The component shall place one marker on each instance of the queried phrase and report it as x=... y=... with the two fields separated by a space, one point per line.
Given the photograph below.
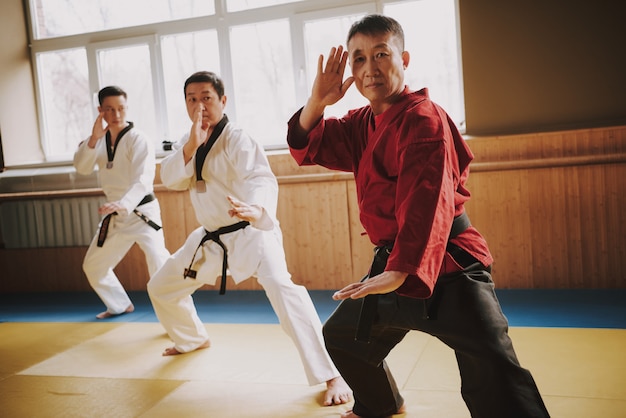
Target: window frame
x=297 y=14
x=152 y=42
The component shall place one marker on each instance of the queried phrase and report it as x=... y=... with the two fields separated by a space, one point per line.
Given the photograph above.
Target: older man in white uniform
x=234 y=194
x=126 y=167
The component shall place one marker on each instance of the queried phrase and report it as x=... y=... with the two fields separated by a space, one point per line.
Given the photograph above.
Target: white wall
x=18 y=116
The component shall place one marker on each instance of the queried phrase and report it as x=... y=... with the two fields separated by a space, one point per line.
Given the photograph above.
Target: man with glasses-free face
x=131 y=214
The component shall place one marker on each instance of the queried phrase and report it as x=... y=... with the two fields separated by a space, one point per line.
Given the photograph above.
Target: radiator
x=62 y=222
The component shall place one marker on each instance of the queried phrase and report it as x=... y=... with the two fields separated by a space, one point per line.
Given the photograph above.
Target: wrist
x=93 y=140
x=311 y=114
x=315 y=107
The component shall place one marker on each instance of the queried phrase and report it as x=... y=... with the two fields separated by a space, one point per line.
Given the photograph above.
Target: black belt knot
x=381 y=254
x=104 y=226
x=215 y=237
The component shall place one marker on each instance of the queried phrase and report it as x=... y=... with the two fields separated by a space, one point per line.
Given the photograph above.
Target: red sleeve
x=332 y=143
x=424 y=212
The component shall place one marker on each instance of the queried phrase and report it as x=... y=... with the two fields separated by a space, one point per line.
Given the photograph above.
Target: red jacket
x=410 y=166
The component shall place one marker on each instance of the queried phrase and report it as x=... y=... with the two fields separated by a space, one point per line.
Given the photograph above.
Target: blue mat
x=597 y=308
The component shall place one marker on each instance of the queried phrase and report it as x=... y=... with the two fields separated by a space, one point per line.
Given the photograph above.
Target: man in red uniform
x=431 y=270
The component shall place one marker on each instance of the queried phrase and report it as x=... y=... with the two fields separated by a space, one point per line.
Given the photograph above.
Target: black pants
x=463 y=313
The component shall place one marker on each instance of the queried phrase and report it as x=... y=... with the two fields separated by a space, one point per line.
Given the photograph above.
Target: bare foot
x=107 y=314
x=350 y=414
x=337 y=392
x=172 y=351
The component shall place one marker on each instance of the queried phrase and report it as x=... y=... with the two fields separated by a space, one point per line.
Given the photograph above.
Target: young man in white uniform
x=235 y=188
x=126 y=167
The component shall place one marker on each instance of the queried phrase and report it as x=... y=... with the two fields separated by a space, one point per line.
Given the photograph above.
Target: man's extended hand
x=110 y=207
x=244 y=211
x=98 y=131
x=385 y=282
x=200 y=128
x=329 y=86
x=198 y=134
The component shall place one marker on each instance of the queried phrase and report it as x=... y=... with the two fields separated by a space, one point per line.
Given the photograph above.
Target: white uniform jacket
x=132 y=175
x=235 y=166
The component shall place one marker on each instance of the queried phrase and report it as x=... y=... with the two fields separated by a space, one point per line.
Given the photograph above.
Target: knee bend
x=91 y=270
x=282 y=288
x=152 y=287
x=159 y=285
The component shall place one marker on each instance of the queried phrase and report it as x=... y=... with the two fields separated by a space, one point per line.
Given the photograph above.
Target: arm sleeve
x=260 y=186
x=424 y=211
x=85 y=158
x=328 y=144
x=175 y=174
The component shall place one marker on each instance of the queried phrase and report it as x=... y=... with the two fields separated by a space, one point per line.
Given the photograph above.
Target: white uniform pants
x=171 y=298
x=122 y=234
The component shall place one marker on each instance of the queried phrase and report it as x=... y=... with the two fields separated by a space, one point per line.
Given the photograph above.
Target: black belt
x=104 y=226
x=370 y=302
x=215 y=237
x=147 y=198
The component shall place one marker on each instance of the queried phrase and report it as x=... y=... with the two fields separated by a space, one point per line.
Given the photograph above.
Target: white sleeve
x=260 y=184
x=85 y=158
x=175 y=174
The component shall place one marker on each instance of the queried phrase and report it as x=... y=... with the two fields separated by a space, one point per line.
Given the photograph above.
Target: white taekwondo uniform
x=128 y=181
x=237 y=166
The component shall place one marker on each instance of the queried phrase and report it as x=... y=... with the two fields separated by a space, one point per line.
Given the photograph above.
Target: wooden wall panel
x=551 y=205
x=316 y=231
x=498 y=211
x=42 y=270
x=603 y=225
x=177 y=215
x=551 y=228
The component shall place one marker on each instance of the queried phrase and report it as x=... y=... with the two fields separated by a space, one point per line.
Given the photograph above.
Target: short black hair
x=110 y=91
x=206 y=77
x=376 y=24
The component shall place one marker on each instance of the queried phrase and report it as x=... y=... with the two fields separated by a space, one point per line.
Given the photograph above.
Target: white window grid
x=297 y=13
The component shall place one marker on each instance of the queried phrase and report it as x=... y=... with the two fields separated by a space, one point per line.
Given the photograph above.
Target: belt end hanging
x=366 y=318
x=190 y=273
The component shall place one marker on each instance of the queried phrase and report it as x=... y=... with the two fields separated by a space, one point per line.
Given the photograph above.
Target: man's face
x=378 y=65
x=114 y=110
x=204 y=95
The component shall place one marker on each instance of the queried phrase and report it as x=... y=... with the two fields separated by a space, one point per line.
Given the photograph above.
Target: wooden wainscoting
x=551 y=205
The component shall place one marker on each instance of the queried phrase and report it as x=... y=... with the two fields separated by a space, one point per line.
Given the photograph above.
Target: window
x=130 y=68
x=320 y=35
x=263 y=78
x=182 y=55
x=266 y=51
x=65 y=99
x=433 y=45
x=238 y=5
x=54 y=18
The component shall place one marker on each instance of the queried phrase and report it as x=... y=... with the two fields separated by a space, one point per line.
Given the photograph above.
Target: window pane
x=52 y=18
x=319 y=37
x=434 y=51
x=182 y=56
x=263 y=77
x=237 y=5
x=129 y=68
x=67 y=107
